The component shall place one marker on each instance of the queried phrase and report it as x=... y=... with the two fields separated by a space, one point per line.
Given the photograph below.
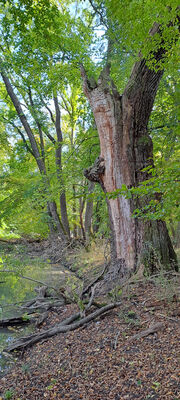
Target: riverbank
x=131 y=352
x=105 y=360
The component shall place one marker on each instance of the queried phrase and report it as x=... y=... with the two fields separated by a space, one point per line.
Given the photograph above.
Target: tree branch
x=143 y=83
x=21 y=134
x=23 y=119
x=60 y=328
x=48 y=109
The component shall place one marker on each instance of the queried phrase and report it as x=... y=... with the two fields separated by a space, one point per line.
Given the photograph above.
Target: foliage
x=41 y=52
x=14 y=288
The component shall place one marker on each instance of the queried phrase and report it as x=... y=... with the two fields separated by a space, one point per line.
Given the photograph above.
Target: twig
x=116 y=339
x=91 y=298
x=170 y=318
x=83 y=312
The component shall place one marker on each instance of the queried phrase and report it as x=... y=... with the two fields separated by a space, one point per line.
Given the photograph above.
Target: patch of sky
x=99 y=43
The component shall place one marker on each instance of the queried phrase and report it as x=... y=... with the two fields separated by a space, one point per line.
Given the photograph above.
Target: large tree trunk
x=126 y=149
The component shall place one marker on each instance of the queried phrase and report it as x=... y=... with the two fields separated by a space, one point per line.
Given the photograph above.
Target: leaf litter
x=111 y=358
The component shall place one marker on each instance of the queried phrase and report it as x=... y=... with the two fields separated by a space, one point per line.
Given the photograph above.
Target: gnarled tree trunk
x=126 y=149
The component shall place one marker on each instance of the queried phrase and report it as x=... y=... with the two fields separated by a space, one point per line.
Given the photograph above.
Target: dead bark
x=27 y=341
x=99 y=278
x=41 y=319
x=39 y=305
x=126 y=149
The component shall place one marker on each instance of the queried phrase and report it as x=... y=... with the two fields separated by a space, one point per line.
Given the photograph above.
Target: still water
x=14 y=291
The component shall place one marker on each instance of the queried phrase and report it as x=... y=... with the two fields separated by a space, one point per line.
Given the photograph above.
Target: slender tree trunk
x=63 y=206
x=51 y=206
x=88 y=213
x=97 y=216
x=126 y=149
x=81 y=209
x=74 y=209
x=58 y=227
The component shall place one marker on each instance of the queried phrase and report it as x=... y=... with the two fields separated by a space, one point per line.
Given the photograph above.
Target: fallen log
x=40 y=304
x=15 y=321
x=152 y=329
x=64 y=326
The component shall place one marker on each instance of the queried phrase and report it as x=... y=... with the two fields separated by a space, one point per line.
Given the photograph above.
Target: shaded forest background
x=48 y=134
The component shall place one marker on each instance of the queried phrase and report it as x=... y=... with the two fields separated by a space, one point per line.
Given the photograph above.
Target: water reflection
x=14 y=292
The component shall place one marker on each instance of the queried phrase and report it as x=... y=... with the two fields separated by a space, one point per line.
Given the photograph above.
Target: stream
x=14 y=291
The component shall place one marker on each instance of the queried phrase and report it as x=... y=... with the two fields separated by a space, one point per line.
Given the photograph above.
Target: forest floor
x=104 y=360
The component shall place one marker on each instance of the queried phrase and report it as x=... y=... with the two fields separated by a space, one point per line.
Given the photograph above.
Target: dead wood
x=15 y=321
x=152 y=329
x=42 y=291
x=41 y=319
x=63 y=327
x=88 y=288
x=40 y=304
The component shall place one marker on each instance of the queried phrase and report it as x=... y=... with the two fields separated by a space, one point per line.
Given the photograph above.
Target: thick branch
x=143 y=83
x=88 y=85
x=152 y=329
x=60 y=328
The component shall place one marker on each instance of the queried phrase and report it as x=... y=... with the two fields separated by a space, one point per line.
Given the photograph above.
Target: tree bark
x=63 y=207
x=81 y=209
x=88 y=213
x=126 y=148
x=74 y=210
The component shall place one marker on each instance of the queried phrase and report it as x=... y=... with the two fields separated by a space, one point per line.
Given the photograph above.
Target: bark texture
x=63 y=208
x=126 y=148
x=88 y=213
